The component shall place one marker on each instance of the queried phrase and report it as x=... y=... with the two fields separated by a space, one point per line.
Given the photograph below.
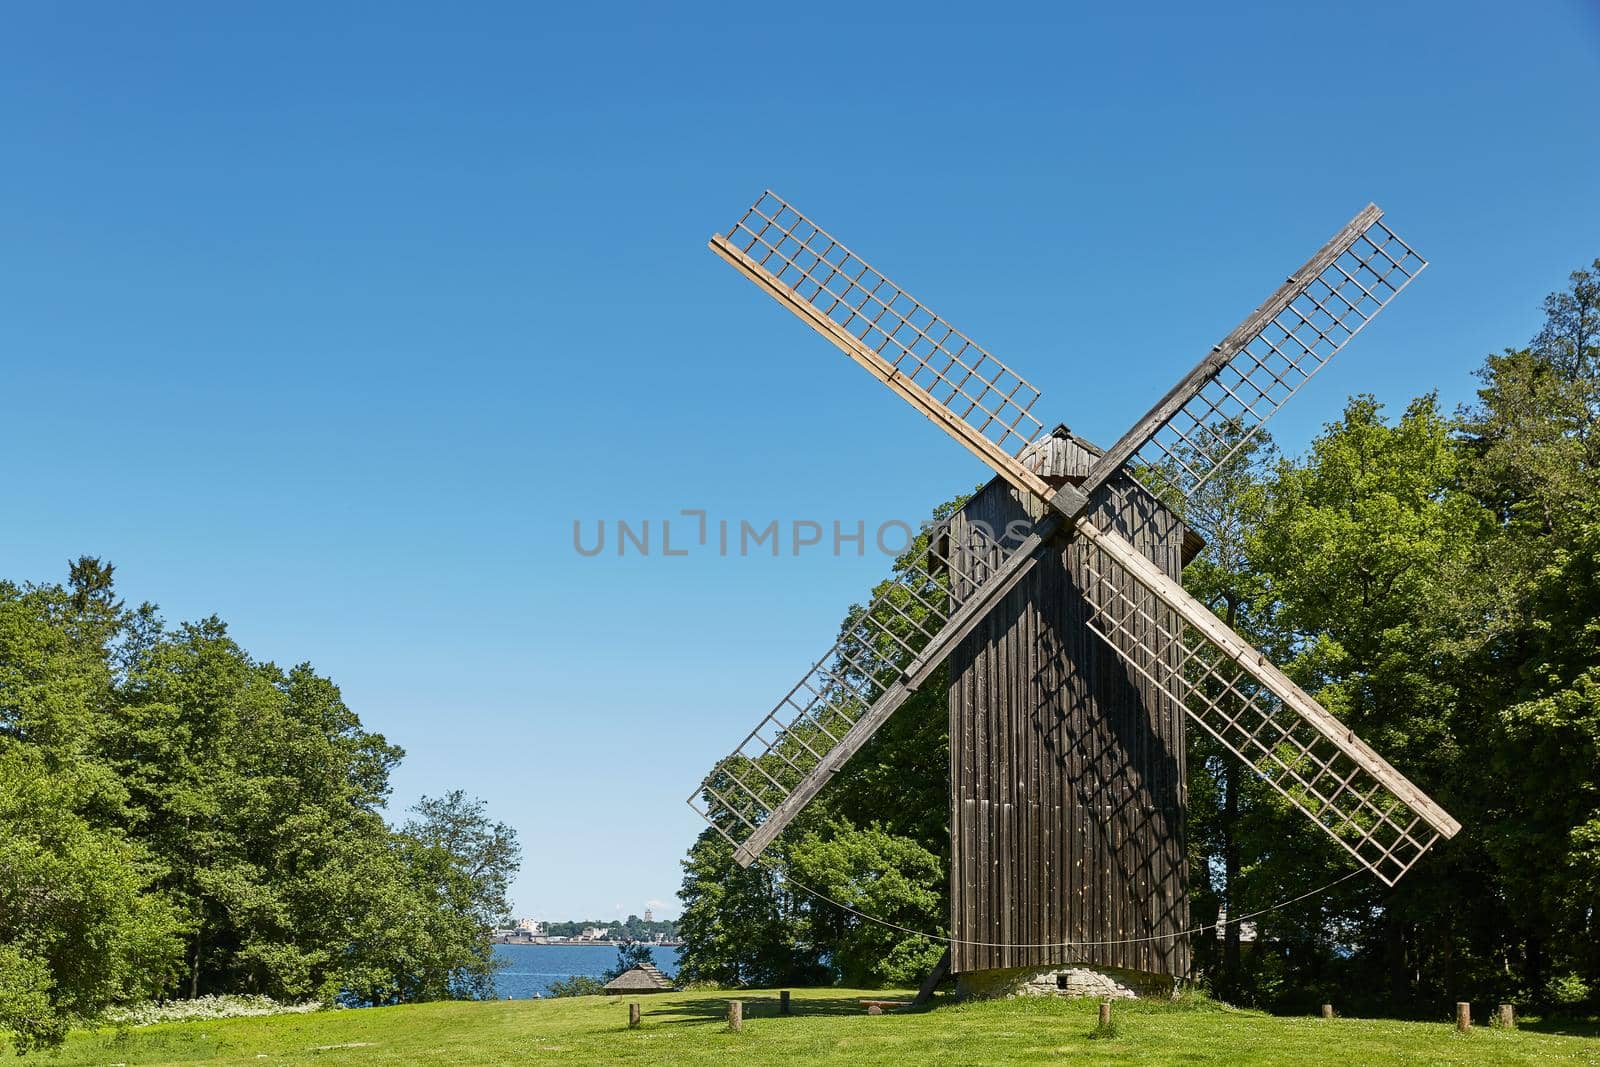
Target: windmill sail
x=936 y=368
x=1203 y=422
x=885 y=651
x=1235 y=694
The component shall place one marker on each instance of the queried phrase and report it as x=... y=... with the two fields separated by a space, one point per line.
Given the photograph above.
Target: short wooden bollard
x=735 y=1015
x=1463 y=1016
x=783 y=1002
x=1105 y=1014
x=1327 y=1011
x=1508 y=1017
x=633 y=1014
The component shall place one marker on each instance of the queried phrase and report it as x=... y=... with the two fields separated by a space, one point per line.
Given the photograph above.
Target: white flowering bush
x=211 y=1007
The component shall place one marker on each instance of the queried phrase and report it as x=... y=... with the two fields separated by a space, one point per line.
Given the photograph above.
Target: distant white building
x=532 y=926
x=649 y=916
x=596 y=933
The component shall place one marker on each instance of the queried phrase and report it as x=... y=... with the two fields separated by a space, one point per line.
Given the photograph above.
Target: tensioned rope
x=1060 y=944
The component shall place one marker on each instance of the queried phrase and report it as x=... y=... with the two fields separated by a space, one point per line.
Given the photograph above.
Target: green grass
x=828 y=1027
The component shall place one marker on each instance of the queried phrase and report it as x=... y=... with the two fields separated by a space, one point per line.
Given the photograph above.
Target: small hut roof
x=641 y=979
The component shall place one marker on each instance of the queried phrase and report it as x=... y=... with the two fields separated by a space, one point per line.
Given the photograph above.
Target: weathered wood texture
x=1067 y=772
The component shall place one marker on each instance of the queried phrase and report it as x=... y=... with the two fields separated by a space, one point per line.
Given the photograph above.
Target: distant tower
x=649 y=916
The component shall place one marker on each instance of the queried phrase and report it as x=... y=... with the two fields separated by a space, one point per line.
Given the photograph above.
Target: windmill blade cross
x=1160 y=632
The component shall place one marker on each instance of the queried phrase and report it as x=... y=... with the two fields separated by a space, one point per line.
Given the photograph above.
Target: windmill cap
x=1060 y=456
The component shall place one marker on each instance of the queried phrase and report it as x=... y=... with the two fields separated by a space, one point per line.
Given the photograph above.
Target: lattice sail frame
x=1314 y=765
x=873 y=650
x=936 y=357
x=1217 y=421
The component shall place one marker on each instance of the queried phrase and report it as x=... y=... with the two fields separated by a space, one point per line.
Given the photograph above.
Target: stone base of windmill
x=1101 y=983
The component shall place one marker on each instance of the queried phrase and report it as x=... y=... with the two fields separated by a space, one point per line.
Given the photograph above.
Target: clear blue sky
x=331 y=320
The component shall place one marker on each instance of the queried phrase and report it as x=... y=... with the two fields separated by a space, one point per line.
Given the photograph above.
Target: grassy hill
x=828 y=1027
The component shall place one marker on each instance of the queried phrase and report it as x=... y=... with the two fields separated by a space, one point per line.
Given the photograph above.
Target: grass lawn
x=828 y=1027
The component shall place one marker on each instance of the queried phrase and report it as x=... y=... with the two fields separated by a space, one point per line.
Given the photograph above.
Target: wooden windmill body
x=1076 y=656
x=1067 y=785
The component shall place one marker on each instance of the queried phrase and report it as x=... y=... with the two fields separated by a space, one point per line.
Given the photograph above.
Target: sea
x=530 y=969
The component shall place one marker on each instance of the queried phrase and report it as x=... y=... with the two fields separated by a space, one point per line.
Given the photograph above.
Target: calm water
x=531 y=968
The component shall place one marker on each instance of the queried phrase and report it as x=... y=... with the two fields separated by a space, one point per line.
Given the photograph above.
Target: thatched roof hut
x=642 y=979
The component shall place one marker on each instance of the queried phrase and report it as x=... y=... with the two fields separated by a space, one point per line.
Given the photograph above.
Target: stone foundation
x=1101 y=983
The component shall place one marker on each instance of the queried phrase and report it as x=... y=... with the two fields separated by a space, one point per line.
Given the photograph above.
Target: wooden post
x=633 y=1014
x=1105 y=1014
x=1327 y=1011
x=1508 y=1017
x=1463 y=1016
x=735 y=1015
x=783 y=1002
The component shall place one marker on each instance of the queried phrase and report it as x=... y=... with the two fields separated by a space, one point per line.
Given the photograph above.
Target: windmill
x=1076 y=655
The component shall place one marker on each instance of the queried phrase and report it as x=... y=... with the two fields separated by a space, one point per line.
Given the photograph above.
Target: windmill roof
x=644 y=978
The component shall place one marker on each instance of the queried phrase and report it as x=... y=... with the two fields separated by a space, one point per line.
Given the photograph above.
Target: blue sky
x=333 y=323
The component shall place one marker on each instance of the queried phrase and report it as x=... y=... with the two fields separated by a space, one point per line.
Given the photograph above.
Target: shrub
x=579 y=985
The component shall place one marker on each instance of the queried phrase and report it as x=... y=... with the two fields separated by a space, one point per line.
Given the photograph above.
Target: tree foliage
x=184 y=819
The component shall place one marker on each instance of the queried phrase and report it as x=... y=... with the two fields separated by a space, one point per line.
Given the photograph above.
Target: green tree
x=1536 y=465
x=78 y=929
x=1226 y=512
x=742 y=926
x=461 y=862
x=579 y=985
x=879 y=879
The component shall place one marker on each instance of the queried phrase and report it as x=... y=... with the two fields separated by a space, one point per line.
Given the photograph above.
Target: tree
x=579 y=985
x=462 y=863
x=1226 y=511
x=260 y=791
x=1570 y=338
x=216 y=804
x=79 y=930
x=877 y=886
x=755 y=926
x=742 y=926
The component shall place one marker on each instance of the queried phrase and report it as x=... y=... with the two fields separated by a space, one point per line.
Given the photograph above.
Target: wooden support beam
x=935 y=976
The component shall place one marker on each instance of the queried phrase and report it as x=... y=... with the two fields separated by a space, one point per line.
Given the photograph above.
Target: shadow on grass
x=714 y=1008
x=1568 y=1026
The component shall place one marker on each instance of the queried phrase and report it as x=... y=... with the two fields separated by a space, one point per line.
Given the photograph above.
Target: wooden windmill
x=1075 y=653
